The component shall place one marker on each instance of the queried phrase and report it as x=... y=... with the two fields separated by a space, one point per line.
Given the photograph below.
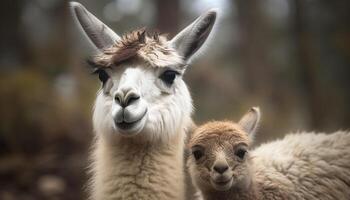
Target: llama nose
x=125 y=98
x=220 y=168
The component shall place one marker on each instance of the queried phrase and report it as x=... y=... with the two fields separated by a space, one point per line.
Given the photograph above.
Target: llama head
x=220 y=158
x=142 y=91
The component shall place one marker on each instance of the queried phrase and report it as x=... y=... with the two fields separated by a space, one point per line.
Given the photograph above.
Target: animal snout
x=126 y=97
x=220 y=168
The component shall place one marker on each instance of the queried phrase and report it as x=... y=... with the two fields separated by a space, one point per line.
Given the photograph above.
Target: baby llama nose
x=220 y=168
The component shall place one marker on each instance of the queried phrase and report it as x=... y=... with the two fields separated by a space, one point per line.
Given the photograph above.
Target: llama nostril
x=130 y=98
x=118 y=99
x=220 y=168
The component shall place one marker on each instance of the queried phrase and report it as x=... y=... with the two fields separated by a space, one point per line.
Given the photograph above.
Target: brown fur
x=150 y=47
x=227 y=136
x=217 y=137
x=219 y=131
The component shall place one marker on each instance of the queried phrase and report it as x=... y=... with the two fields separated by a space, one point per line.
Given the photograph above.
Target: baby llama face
x=220 y=153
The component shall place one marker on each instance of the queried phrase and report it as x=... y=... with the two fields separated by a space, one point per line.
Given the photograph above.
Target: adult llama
x=143 y=109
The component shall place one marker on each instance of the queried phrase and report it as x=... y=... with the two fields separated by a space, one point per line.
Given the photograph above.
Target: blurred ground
x=290 y=57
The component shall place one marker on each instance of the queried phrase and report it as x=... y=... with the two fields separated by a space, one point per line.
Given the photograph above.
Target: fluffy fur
x=299 y=166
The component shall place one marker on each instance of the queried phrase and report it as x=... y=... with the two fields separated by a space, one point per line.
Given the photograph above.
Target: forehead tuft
x=149 y=47
x=219 y=131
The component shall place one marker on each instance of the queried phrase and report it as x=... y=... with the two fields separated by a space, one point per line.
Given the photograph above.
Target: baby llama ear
x=250 y=121
x=190 y=39
x=99 y=34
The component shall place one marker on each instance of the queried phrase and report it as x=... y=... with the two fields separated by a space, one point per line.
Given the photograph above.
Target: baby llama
x=300 y=166
x=143 y=109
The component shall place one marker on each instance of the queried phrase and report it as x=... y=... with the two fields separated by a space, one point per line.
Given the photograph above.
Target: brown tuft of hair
x=141 y=43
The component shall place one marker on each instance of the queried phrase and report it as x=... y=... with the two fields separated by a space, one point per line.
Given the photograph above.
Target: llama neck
x=129 y=169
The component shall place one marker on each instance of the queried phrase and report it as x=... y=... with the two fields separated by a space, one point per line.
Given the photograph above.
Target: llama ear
x=190 y=39
x=99 y=34
x=250 y=121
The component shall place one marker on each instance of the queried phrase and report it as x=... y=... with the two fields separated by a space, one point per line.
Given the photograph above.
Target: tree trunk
x=308 y=66
x=253 y=47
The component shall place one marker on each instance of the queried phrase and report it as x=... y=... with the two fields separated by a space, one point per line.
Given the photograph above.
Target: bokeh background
x=290 y=57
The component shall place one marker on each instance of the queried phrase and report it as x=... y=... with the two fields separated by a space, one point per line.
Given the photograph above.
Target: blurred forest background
x=290 y=57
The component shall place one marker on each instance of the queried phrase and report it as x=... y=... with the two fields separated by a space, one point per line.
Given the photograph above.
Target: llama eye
x=197 y=152
x=241 y=153
x=168 y=76
x=102 y=75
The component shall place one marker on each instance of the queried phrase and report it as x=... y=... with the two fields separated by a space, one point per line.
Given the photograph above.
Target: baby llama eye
x=240 y=153
x=197 y=152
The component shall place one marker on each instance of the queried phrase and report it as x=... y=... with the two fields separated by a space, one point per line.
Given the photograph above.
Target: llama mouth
x=222 y=184
x=129 y=125
x=125 y=125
